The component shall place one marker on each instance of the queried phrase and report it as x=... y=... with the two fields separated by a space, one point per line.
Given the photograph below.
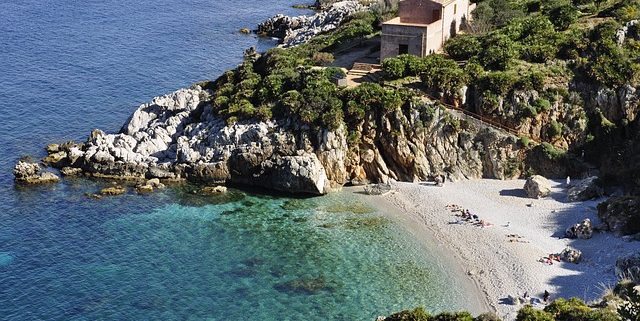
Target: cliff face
x=177 y=137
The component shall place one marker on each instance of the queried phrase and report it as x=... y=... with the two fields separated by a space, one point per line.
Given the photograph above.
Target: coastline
x=476 y=301
x=498 y=267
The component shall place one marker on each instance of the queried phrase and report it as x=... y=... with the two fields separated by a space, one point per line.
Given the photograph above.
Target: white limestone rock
x=537 y=186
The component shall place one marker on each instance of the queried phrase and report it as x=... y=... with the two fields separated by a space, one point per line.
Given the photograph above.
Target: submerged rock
x=537 y=186
x=31 y=173
x=213 y=190
x=71 y=171
x=113 y=191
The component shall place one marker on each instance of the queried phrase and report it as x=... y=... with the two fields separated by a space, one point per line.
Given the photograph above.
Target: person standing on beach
x=546 y=295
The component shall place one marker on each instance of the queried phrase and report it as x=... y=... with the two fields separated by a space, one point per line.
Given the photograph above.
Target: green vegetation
x=526 y=64
x=558 y=310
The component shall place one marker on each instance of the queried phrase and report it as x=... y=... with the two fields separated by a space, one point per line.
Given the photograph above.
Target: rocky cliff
x=176 y=136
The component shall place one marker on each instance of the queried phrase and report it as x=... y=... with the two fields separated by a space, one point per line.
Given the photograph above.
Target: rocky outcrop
x=571 y=255
x=628 y=267
x=586 y=189
x=177 y=136
x=582 y=230
x=31 y=173
x=621 y=215
x=537 y=186
x=113 y=191
x=297 y=30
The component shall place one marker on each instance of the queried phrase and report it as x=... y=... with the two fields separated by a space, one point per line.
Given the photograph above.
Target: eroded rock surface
x=32 y=173
x=537 y=186
x=621 y=215
x=178 y=136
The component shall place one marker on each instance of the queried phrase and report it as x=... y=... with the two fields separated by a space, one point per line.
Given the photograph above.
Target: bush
x=554 y=130
x=488 y=316
x=541 y=105
x=498 y=51
x=322 y=58
x=528 y=313
x=576 y=310
x=393 y=68
x=463 y=47
x=550 y=152
x=413 y=65
x=443 y=75
x=457 y=316
x=563 y=16
x=568 y=310
x=498 y=82
x=417 y=314
x=630 y=311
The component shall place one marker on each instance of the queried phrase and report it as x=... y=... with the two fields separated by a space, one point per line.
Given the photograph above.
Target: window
x=436 y=15
x=403 y=49
x=455 y=8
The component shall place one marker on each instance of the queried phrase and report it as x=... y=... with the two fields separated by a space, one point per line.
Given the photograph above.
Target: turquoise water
x=69 y=67
x=241 y=256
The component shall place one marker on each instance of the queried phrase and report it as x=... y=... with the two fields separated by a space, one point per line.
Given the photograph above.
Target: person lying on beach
x=483 y=223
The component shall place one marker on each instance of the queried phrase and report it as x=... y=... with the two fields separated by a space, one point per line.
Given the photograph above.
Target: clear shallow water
x=68 y=67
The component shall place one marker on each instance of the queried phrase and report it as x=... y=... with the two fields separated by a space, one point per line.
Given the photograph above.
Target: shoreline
x=497 y=266
x=474 y=295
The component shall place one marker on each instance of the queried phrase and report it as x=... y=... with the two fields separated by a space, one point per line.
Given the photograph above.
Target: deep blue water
x=67 y=67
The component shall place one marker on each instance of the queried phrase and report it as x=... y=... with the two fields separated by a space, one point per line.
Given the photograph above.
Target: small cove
x=172 y=255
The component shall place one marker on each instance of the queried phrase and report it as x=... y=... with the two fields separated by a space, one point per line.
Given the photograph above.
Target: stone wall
x=395 y=35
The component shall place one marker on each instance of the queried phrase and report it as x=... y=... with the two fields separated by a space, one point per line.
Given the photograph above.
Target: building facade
x=422 y=26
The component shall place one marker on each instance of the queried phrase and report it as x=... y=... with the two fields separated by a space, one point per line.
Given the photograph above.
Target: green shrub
x=528 y=313
x=551 y=152
x=463 y=47
x=498 y=82
x=456 y=316
x=393 y=68
x=525 y=141
x=322 y=58
x=488 y=316
x=568 y=310
x=541 y=105
x=563 y=16
x=554 y=130
x=630 y=311
x=498 y=52
x=417 y=314
x=413 y=65
x=443 y=75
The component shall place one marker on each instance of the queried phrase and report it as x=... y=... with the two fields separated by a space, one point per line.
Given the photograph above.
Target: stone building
x=423 y=26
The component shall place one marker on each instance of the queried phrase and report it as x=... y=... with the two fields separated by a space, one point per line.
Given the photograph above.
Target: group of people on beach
x=526 y=299
x=550 y=258
x=465 y=216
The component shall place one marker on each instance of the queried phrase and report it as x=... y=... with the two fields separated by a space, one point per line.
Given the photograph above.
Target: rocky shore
x=294 y=31
x=178 y=137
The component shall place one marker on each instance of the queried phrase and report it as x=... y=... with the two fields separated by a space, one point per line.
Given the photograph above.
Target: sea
x=67 y=67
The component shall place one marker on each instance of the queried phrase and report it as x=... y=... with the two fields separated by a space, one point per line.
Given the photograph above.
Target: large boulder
x=300 y=174
x=586 y=189
x=537 y=186
x=571 y=255
x=31 y=173
x=582 y=230
x=621 y=215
